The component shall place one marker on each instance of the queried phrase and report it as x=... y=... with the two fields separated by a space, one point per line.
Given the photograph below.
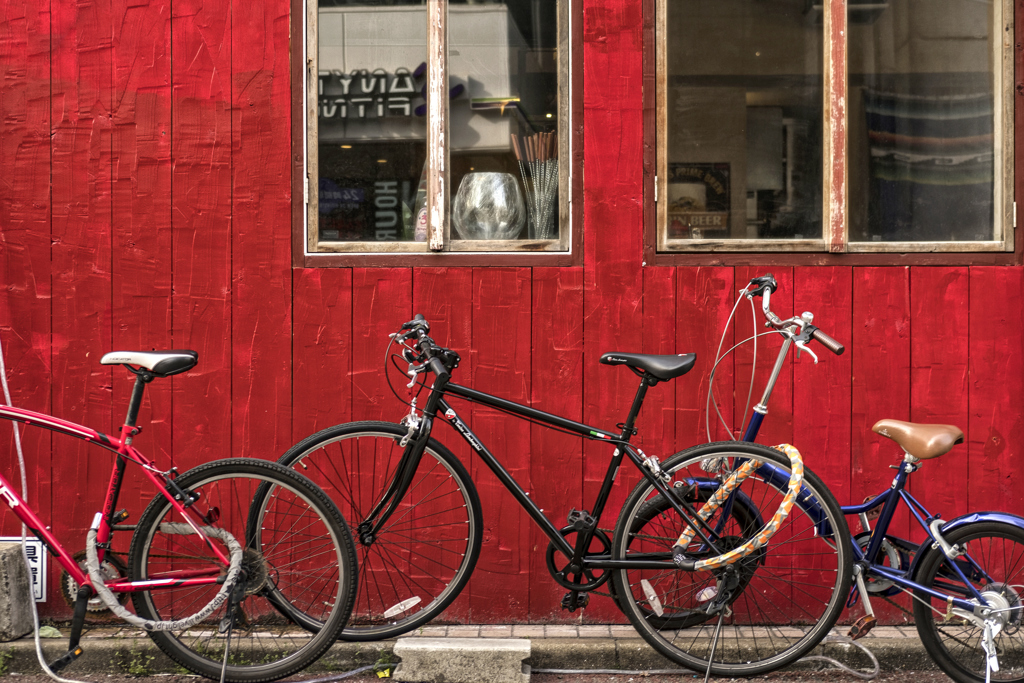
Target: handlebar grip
x=417 y=323
x=828 y=342
x=438 y=368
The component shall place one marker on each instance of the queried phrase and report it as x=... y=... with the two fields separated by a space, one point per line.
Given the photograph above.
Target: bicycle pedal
x=581 y=520
x=572 y=601
x=71 y=656
x=860 y=628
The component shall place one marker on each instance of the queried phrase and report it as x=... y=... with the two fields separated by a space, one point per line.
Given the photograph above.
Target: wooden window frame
x=833 y=248
x=304 y=73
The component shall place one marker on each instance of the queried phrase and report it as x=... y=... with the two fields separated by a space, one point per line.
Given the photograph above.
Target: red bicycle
x=225 y=588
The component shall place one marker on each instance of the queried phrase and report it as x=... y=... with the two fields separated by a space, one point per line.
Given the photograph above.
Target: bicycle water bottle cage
x=762 y=283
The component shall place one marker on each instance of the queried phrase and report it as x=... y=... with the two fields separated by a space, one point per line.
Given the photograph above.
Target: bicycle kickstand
x=77 y=621
x=227 y=624
x=720 y=605
x=988 y=645
x=714 y=644
x=860 y=628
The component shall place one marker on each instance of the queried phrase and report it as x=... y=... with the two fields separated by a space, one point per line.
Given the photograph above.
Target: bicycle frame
x=125 y=452
x=438 y=405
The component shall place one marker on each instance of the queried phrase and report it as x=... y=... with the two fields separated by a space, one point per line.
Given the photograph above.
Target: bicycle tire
x=297 y=546
x=790 y=592
x=410 y=572
x=955 y=647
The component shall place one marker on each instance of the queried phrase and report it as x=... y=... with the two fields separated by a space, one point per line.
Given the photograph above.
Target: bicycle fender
x=961 y=521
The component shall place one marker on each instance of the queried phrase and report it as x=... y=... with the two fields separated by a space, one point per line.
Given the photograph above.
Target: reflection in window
x=922 y=121
x=743 y=145
x=504 y=149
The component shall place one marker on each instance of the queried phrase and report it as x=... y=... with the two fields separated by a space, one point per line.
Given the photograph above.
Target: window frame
x=833 y=248
x=304 y=73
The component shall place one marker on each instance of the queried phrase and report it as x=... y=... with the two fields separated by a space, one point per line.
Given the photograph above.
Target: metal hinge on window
x=655 y=189
x=1015 y=214
x=305 y=190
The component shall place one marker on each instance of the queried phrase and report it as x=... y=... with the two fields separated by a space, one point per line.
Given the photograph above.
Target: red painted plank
x=141 y=210
x=25 y=324
x=996 y=433
x=444 y=296
x=501 y=366
x=938 y=379
x=261 y=246
x=202 y=225
x=879 y=349
x=613 y=155
x=381 y=302
x=322 y=348
x=556 y=460
x=81 y=232
x=821 y=401
x=705 y=297
x=656 y=422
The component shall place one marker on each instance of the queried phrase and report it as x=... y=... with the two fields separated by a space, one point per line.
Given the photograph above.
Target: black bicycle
x=692 y=561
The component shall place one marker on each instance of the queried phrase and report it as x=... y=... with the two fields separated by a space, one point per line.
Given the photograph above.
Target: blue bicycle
x=966 y=579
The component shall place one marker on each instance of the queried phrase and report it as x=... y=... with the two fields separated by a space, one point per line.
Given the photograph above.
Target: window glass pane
x=922 y=123
x=371 y=121
x=743 y=112
x=503 y=80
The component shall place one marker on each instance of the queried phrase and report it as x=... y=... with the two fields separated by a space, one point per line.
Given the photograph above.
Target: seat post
x=142 y=378
x=645 y=381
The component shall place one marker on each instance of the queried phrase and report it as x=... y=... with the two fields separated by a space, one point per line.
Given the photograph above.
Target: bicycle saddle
x=160 y=363
x=920 y=440
x=660 y=367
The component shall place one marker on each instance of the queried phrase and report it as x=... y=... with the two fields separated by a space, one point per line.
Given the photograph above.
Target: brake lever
x=412 y=372
x=801 y=346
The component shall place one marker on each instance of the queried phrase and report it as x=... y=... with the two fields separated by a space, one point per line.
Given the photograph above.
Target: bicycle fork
x=386 y=506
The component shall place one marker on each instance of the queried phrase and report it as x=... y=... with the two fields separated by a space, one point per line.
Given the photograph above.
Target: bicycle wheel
x=785 y=597
x=298 y=547
x=420 y=560
x=994 y=562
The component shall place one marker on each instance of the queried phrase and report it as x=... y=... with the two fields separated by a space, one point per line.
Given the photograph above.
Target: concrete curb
x=121 y=653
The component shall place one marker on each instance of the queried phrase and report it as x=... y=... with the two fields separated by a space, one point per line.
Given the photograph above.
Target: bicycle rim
x=789 y=593
x=955 y=645
x=299 y=549
x=422 y=557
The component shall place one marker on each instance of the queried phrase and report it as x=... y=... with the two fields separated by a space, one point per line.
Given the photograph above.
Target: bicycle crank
x=574 y=577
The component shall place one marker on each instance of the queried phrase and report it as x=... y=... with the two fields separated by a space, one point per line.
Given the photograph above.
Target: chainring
x=596 y=578
x=112 y=568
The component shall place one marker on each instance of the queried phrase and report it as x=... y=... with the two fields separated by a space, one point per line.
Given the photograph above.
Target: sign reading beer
x=698 y=200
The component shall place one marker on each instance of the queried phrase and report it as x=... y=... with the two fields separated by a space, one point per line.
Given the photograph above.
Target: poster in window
x=698 y=200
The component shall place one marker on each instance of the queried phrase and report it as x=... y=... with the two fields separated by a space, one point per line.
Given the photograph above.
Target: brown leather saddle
x=922 y=441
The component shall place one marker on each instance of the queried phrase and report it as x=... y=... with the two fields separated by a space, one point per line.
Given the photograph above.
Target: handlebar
x=432 y=355
x=764 y=286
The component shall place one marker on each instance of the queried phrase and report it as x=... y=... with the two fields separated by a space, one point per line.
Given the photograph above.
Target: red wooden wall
x=145 y=203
